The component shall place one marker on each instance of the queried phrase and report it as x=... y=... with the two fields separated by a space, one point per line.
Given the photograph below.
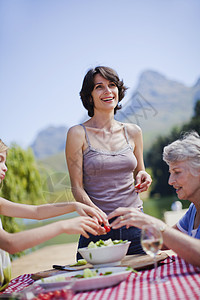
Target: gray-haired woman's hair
x=187 y=149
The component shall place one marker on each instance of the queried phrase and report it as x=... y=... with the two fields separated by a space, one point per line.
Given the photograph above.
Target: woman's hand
x=127 y=216
x=143 y=181
x=81 y=225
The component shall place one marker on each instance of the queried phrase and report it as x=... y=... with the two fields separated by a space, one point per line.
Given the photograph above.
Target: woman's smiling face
x=186 y=184
x=104 y=94
x=3 y=167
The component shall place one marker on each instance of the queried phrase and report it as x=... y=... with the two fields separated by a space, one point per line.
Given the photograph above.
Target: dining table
x=180 y=280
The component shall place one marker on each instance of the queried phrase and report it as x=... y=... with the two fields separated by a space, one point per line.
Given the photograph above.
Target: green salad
x=87 y=273
x=105 y=243
x=80 y=262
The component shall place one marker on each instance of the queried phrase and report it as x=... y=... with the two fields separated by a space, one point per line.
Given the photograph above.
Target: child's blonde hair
x=3 y=147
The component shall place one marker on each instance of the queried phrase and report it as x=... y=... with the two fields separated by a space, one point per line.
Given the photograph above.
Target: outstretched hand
x=97 y=214
x=128 y=216
x=86 y=210
x=81 y=225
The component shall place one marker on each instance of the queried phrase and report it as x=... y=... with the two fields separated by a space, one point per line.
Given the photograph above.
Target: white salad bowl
x=106 y=255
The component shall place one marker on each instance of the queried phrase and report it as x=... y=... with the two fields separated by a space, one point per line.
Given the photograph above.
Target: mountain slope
x=157 y=105
x=49 y=141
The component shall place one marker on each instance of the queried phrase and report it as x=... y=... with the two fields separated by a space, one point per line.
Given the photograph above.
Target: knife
x=64 y=268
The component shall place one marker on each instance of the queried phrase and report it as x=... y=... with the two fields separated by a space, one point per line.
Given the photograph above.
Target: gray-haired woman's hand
x=129 y=216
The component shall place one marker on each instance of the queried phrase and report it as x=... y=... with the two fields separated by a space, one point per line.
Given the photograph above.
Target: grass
x=157 y=206
x=60 y=239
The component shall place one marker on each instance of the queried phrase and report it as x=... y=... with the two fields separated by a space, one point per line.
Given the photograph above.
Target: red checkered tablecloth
x=18 y=284
x=183 y=282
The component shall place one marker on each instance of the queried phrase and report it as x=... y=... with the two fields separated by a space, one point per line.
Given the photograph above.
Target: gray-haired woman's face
x=186 y=184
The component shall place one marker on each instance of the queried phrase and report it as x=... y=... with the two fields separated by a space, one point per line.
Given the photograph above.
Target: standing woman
x=105 y=157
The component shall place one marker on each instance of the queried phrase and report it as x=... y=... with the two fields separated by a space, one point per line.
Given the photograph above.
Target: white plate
x=84 y=284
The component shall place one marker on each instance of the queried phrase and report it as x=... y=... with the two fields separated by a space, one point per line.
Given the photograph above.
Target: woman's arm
x=185 y=246
x=142 y=178
x=15 y=242
x=74 y=156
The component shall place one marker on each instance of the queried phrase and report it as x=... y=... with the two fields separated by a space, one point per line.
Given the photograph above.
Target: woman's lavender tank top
x=108 y=177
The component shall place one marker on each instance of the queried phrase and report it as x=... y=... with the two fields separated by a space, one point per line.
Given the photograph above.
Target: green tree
x=160 y=172
x=194 y=123
x=23 y=182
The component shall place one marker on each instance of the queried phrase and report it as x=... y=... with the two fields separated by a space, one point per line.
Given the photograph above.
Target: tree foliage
x=160 y=170
x=23 y=182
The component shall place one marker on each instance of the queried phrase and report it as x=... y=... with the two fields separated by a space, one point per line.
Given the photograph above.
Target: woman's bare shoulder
x=133 y=129
x=76 y=130
x=75 y=137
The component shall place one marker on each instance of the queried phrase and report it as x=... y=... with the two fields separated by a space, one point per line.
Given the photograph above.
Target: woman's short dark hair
x=88 y=86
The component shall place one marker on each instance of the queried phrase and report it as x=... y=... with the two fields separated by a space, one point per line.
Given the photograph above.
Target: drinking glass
x=151 y=241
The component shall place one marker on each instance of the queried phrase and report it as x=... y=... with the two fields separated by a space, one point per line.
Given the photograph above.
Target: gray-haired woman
x=183 y=158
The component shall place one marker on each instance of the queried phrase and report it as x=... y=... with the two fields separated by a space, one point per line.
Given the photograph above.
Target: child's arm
x=39 y=212
x=15 y=242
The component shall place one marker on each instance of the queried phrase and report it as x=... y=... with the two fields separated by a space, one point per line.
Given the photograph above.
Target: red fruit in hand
x=107 y=228
x=137 y=186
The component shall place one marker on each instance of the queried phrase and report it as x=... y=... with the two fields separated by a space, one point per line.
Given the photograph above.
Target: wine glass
x=151 y=241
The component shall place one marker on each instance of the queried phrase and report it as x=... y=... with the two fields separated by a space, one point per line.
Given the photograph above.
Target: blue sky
x=48 y=45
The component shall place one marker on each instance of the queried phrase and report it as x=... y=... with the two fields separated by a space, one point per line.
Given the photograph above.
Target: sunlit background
x=48 y=45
